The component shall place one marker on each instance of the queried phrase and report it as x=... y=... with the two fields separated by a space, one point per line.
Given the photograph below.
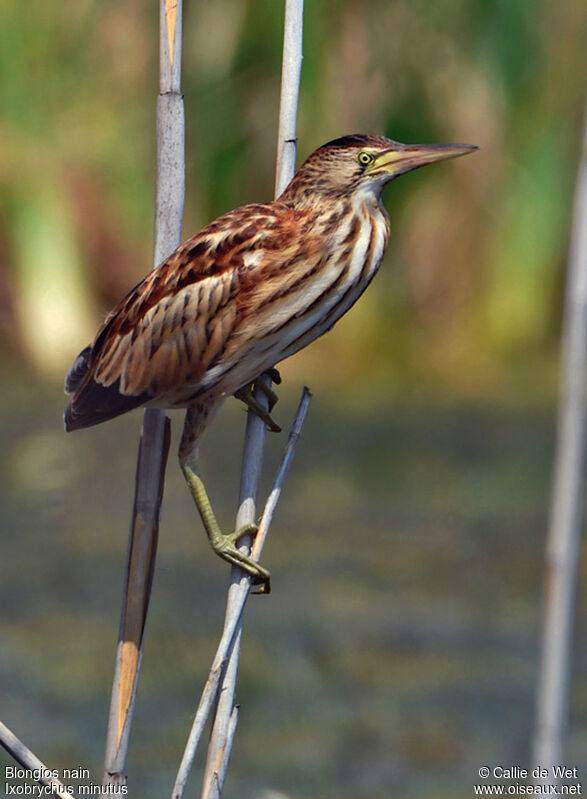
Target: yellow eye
x=365 y=159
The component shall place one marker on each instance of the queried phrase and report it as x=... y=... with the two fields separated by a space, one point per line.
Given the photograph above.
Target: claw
x=268 y=391
x=274 y=375
x=245 y=394
x=262 y=585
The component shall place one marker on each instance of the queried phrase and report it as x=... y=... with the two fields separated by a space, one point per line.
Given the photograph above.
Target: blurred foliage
x=393 y=667
x=470 y=293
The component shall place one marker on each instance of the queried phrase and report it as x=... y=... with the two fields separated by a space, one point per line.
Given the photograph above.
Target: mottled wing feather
x=159 y=343
x=173 y=343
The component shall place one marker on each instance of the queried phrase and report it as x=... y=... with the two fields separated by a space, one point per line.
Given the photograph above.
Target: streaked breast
x=322 y=291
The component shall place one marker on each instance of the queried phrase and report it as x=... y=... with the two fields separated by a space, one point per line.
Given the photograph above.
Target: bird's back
x=249 y=290
x=164 y=335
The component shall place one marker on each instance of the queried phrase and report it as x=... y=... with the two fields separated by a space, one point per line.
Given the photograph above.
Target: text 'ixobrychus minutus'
x=252 y=288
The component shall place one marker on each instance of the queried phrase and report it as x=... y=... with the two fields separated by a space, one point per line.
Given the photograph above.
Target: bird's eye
x=365 y=159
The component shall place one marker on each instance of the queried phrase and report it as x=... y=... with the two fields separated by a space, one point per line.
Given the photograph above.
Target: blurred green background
x=397 y=652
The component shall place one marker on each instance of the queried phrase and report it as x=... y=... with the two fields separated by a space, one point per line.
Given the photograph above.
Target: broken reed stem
x=567 y=507
x=220 y=742
x=233 y=619
x=137 y=589
x=154 y=445
x=23 y=755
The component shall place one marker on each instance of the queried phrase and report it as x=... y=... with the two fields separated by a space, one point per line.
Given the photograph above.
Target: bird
x=252 y=288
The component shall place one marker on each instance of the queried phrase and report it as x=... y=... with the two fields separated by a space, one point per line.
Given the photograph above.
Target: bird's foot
x=274 y=374
x=225 y=545
x=274 y=377
x=246 y=395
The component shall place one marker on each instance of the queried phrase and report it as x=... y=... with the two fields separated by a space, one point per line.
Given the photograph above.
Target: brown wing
x=161 y=339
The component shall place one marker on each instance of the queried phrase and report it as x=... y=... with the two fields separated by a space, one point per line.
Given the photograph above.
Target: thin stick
x=288 y=455
x=233 y=619
x=220 y=772
x=567 y=507
x=23 y=755
x=291 y=71
x=255 y=429
x=154 y=444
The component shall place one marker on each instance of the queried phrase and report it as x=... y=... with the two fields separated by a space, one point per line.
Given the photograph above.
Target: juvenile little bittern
x=249 y=290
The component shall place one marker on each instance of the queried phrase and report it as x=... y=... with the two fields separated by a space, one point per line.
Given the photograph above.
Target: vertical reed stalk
x=154 y=445
x=233 y=621
x=224 y=724
x=567 y=507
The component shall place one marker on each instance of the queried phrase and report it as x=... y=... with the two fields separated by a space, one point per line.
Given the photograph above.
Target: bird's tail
x=78 y=371
x=93 y=403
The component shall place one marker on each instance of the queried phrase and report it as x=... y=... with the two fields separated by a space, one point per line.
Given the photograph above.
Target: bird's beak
x=405 y=157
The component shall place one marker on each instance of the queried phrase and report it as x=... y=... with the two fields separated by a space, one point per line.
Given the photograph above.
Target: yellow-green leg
x=224 y=544
x=197 y=418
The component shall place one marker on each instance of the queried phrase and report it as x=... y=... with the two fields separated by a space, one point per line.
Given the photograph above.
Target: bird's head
x=363 y=163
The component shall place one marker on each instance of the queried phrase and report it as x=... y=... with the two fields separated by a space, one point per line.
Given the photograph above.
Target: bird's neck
x=336 y=206
x=368 y=208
